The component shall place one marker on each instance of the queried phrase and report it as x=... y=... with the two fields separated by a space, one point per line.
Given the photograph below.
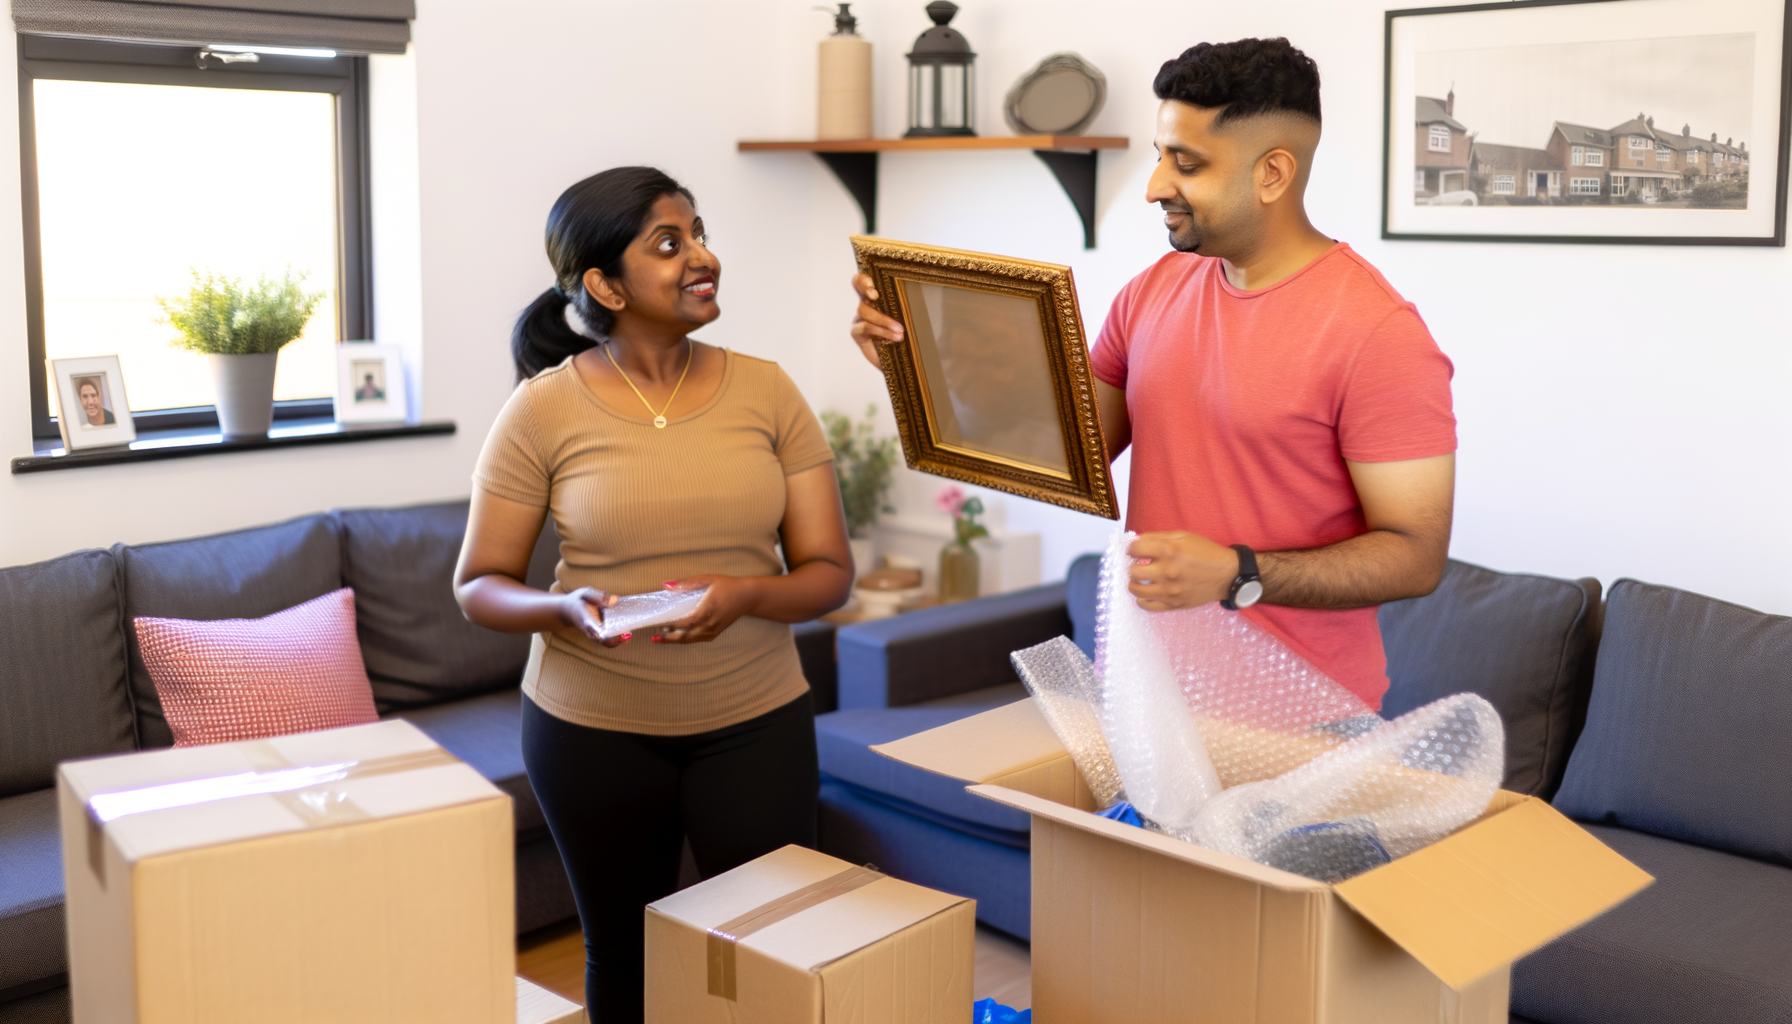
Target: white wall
x=1622 y=411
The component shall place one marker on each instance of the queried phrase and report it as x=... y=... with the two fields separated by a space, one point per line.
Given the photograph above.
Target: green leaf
x=218 y=316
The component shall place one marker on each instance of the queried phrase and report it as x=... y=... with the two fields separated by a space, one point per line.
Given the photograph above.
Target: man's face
x=1203 y=181
x=90 y=402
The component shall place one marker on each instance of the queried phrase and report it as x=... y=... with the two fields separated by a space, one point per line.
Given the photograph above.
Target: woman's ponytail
x=590 y=227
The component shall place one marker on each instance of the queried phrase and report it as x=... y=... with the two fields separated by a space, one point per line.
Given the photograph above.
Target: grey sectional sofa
x=1659 y=718
x=73 y=686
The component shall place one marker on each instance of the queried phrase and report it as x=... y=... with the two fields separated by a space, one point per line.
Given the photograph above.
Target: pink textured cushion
x=242 y=679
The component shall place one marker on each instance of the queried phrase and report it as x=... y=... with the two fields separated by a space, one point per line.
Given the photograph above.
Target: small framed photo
x=1639 y=122
x=370 y=383
x=993 y=386
x=91 y=408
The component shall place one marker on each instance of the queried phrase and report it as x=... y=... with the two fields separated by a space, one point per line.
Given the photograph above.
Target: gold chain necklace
x=659 y=418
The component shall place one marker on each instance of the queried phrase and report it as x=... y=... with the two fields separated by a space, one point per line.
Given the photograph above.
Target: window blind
x=346 y=26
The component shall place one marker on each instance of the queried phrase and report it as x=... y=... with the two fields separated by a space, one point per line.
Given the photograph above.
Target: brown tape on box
x=309 y=792
x=722 y=937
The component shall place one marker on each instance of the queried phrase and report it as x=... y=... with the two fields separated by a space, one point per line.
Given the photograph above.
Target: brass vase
x=961 y=574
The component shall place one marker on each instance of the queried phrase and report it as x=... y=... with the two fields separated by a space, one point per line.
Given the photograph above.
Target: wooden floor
x=554 y=958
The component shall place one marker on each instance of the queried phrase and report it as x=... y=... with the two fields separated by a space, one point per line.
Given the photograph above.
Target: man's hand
x=1180 y=570
x=871 y=328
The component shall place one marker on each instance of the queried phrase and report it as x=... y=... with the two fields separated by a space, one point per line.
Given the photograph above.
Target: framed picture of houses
x=1644 y=122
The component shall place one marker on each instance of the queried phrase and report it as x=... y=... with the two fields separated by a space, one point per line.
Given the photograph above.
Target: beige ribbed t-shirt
x=638 y=506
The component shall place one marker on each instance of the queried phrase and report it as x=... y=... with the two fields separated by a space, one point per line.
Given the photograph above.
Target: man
x=1285 y=406
x=88 y=391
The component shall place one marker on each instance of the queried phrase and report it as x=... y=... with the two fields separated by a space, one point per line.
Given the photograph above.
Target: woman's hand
x=871 y=328
x=583 y=610
x=729 y=598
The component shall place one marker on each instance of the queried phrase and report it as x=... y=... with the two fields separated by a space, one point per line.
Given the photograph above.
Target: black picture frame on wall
x=1535 y=121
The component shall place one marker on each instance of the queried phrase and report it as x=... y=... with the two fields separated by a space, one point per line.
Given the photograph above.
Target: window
x=1619 y=184
x=1692 y=156
x=1595 y=157
x=1638 y=142
x=1663 y=155
x=244 y=169
x=1505 y=184
x=1439 y=139
x=1578 y=157
x=1418 y=181
x=1583 y=186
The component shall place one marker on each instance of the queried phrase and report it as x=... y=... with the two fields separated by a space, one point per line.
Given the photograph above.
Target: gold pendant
x=659 y=422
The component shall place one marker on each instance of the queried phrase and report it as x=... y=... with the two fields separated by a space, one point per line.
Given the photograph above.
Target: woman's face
x=669 y=276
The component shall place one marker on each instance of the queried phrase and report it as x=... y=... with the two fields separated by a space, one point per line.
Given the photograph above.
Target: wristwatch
x=1247 y=588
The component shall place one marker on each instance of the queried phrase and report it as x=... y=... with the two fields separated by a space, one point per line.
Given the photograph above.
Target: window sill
x=152 y=446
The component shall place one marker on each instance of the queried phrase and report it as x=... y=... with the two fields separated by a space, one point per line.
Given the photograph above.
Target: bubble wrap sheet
x=1221 y=735
x=1163 y=762
x=657 y=608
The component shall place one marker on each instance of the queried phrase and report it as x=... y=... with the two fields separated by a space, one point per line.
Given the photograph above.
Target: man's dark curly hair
x=1247 y=77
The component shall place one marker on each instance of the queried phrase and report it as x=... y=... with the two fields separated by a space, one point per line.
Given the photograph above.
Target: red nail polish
x=628 y=636
x=654 y=639
x=671 y=583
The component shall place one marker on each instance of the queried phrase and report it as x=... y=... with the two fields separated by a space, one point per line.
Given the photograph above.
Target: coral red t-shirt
x=1246 y=404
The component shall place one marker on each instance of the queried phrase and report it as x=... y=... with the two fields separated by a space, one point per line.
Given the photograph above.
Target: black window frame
x=95 y=60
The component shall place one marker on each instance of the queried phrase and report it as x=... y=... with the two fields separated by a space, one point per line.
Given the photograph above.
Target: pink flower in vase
x=950 y=500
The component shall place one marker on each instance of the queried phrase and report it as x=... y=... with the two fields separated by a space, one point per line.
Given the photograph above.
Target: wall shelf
x=1071 y=159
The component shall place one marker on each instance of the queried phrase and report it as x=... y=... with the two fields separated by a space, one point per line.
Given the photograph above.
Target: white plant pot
x=862 y=556
x=245 y=387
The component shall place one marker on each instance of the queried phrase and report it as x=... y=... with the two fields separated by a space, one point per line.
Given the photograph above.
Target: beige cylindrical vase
x=844 y=110
x=245 y=393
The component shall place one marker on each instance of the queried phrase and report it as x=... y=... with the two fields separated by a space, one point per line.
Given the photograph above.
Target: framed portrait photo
x=1643 y=122
x=992 y=385
x=370 y=384
x=92 y=410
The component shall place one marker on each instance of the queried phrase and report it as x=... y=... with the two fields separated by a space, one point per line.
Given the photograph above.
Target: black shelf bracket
x=1076 y=172
x=1074 y=169
x=858 y=172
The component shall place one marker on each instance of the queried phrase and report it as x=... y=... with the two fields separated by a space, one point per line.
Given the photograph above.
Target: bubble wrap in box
x=1062 y=682
x=1380 y=796
x=656 y=608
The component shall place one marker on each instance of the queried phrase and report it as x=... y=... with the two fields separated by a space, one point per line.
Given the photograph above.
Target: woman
x=665 y=463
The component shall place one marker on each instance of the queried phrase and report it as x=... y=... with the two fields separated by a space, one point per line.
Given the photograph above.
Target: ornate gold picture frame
x=992 y=385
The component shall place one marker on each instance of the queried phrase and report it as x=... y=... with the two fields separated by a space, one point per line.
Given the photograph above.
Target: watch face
x=1248 y=594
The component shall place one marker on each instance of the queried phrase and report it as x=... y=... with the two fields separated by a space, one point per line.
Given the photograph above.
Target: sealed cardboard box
x=1129 y=925
x=798 y=937
x=342 y=876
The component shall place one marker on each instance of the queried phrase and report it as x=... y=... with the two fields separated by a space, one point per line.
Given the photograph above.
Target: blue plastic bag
x=988 y=1011
x=1124 y=813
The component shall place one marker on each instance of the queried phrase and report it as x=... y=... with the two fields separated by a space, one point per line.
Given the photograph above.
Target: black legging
x=620 y=805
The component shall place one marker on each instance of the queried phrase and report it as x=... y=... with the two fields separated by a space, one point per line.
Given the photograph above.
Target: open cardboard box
x=1132 y=926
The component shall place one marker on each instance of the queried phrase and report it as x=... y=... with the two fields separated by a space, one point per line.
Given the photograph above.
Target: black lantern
x=939 y=78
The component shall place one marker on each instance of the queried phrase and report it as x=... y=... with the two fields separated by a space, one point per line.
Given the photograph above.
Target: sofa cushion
x=226 y=680
x=843 y=740
x=418 y=646
x=1689 y=732
x=1711 y=940
x=240 y=575
x=32 y=946
x=952 y=649
x=1080 y=586
x=1523 y=642
x=487 y=733
x=62 y=668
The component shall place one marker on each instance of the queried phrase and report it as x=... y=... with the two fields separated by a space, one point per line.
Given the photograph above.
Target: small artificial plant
x=863 y=464
x=964 y=512
x=219 y=317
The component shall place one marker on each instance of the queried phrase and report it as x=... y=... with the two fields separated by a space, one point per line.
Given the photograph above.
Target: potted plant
x=863 y=464
x=241 y=331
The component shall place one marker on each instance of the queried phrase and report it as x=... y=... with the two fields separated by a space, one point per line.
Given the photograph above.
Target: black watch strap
x=1247 y=573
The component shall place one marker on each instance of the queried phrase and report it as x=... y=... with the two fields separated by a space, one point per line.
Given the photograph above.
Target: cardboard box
x=1130 y=926
x=342 y=876
x=536 y=1005
x=798 y=937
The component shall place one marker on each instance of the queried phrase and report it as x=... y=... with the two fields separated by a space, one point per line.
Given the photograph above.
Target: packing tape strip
x=308 y=791
x=722 y=937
